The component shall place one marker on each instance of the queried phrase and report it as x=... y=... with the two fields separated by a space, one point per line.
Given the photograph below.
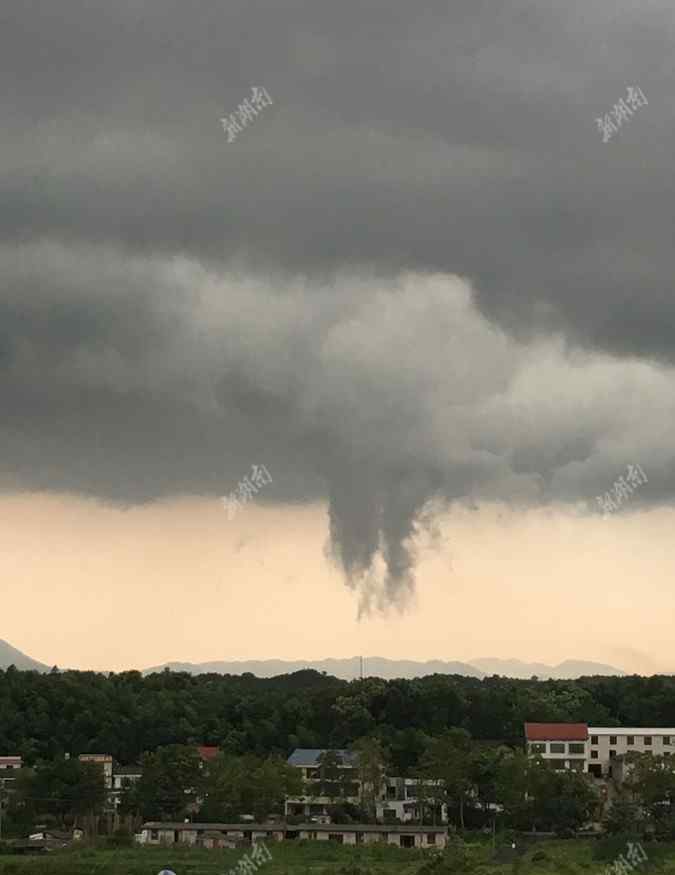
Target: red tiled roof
x=208 y=753
x=556 y=731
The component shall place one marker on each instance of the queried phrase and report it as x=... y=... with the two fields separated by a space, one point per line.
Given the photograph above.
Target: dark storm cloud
x=455 y=137
x=174 y=308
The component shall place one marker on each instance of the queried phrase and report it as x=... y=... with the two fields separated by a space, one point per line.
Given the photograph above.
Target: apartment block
x=608 y=743
x=597 y=750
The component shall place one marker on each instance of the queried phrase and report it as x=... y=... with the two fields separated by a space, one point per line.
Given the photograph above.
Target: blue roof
x=309 y=756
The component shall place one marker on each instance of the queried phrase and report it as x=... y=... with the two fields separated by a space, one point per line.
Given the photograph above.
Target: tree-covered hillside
x=44 y=715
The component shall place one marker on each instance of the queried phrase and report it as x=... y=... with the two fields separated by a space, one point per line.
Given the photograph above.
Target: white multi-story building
x=593 y=749
x=313 y=803
x=404 y=802
x=399 y=799
x=562 y=745
x=607 y=743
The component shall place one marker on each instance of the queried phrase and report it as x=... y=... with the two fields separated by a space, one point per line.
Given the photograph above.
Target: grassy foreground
x=324 y=858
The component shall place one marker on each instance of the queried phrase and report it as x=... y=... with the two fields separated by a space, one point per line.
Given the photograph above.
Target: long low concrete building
x=221 y=835
x=403 y=836
x=206 y=834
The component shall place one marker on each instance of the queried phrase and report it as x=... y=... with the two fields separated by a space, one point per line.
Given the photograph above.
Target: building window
x=612 y=739
x=577 y=748
x=594 y=754
x=538 y=747
x=431 y=838
x=648 y=740
x=666 y=739
x=594 y=739
x=557 y=747
x=630 y=739
x=612 y=754
x=154 y=835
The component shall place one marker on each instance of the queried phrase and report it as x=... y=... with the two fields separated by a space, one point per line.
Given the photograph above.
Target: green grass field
x=324 y=858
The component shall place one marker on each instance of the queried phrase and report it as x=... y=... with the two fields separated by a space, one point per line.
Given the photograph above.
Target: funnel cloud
x=419 y=278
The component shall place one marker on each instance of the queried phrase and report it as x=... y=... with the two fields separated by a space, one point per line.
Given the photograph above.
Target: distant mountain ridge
x=566 y=670
x=377 y=666
x=349 y=668
x=346 y=669
x=11 y=656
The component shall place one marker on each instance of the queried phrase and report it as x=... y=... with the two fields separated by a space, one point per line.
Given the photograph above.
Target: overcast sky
x=421 y=288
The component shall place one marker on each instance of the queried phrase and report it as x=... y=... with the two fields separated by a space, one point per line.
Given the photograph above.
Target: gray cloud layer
x=174 y=308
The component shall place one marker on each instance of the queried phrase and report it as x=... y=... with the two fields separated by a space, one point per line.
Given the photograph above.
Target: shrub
x=611 y=847
x=455 y=858
x=121 y=838
x=623 y=817
x=354 y=869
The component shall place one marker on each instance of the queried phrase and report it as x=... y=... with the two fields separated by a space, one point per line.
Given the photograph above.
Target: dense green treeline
x=45 y=715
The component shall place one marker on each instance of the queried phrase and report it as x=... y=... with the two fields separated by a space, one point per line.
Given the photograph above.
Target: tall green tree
x=225 y=794
x=64 y=788
x=372 y=769
x=484 y=765
x=511 y=786
x=235 y=786
x=650 y=781
x=447 y=760
x=272 y=780
x=334 y=780
x=569 y=802
x=535 y=796
x=170 y=784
